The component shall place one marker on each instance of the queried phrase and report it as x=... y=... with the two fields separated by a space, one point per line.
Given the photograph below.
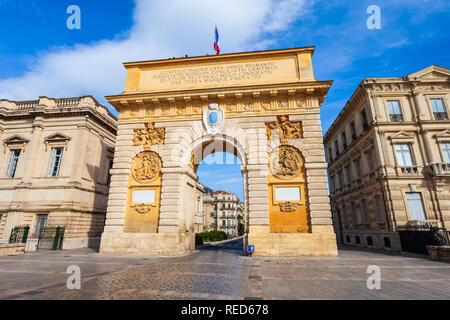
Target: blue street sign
x=251 y=249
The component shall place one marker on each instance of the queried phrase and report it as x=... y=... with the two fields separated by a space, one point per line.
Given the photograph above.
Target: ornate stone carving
x=143 y=208
x=288 y=207
x=287 y=129
x=148 y=136
x=286 y=162
x=146 y=166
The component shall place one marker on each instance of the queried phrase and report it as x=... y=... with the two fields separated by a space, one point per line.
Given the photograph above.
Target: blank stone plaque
x=287 y=194
x=144 y=196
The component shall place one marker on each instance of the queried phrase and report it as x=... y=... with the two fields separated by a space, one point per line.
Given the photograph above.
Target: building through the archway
x=263 y=107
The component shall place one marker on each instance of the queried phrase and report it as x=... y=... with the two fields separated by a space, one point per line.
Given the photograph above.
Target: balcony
x=440 y=115
x=396 y=118
x=438 y=169
x=412 y=170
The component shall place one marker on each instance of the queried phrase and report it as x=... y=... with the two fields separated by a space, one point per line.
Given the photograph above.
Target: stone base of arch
x=321 y=242
x=151 y=244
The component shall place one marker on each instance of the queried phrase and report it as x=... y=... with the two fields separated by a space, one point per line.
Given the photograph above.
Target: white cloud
x=161 y=29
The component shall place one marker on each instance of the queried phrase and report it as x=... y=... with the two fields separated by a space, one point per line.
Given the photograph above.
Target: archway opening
x=220 y=197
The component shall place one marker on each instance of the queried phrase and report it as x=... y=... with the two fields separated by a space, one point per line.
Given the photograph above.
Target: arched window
x=358 y=240
x=348 y=239
x=369 y=241
x=387 y=242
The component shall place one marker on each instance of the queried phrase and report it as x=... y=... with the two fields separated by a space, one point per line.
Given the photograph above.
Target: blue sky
x=40 y=56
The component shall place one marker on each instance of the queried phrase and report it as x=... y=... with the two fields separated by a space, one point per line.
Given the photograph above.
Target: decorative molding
x=146 y=166
x=287 y=129
x=57 y=138
x=149 y=136
x=143 y=208
x=288 y=206
x=286 y=162
x=15 y=140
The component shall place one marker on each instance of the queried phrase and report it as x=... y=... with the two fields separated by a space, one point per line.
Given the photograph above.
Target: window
x=348 y=239
x=355 y=214
x=330 y=154
x=349 y=174
x=55 y=163
x=439 y=111
x=403 y=152
x=41 y=223
x=445 y=147
x=108 y=177
x=365 y=210
x=359 y=168
x=380 y=208
x=395 y=112
x=341 y=180
x=387 y=242
x=371 y=157
x=364 y=120
x=336 y=147
x=415 y=206
x=344 y=211
x=344 y=140
x=358 y=240
x=369 y=241
x=333 y=184
x=229 y=223
x=223 y=223
x=13 y=161
x=353 y=130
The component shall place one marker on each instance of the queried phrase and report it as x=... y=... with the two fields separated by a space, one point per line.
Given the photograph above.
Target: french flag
x=216 y=43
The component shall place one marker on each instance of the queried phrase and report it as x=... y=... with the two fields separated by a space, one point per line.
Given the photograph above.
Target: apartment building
x=388 y=153
x=54 y=167
x=229 y=213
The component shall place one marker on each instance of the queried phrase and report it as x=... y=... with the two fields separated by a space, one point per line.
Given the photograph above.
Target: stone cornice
x=311 y=88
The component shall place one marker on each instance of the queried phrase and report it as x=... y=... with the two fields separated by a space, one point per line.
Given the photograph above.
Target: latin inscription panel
x=208 y=76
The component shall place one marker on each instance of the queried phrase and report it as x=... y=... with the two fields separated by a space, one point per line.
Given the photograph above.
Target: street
x=221 y=272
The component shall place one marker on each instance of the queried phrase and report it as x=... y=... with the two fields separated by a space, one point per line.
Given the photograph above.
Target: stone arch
x=209 y=144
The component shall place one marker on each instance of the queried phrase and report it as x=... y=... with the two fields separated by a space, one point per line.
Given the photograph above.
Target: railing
x=27 y=105
x=19 y=234
x=51 y=238
x=440 y=115
x=396 y=117
x=439 y=169
x=409 y=170
x=66 y=103
x=416 y=237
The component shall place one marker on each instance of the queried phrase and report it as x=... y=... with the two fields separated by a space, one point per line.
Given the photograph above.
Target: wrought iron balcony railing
x=396 y=117
x=440 y=116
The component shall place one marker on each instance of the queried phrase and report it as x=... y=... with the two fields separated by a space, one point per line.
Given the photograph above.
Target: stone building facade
x=54 y=166
x=263 y=107
x=389 y=158
x=229 y=212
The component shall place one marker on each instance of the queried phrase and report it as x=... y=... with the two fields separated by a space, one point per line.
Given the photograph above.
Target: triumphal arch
x=264 y=107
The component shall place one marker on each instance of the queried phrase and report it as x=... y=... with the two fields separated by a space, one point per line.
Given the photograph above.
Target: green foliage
x=212 y=236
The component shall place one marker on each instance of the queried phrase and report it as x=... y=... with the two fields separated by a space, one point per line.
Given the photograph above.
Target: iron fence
x=19 y=234
x=51 y=238
x=416 y=238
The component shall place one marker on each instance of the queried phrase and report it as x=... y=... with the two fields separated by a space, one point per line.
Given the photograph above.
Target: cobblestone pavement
x=221 y=272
